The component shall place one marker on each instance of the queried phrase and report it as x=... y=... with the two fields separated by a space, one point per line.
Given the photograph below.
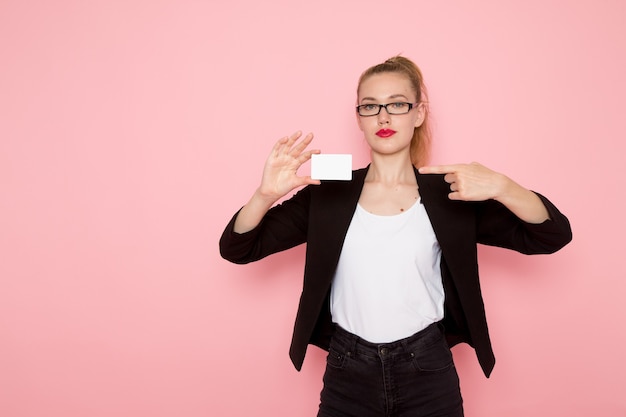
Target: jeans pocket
x=433 y=358
x=335 y=359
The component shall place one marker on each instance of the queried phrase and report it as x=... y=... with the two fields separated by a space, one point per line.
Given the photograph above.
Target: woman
x=391 y=276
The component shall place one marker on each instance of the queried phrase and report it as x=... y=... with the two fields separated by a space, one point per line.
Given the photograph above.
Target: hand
x=280 y=171
x=470 y=182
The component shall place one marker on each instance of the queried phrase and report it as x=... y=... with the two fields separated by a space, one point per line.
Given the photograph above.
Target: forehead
x=387 y=84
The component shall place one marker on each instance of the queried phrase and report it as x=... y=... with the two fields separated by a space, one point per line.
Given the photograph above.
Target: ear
x=421 y=114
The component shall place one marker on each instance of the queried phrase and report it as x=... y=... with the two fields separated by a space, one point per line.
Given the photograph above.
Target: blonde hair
x=420 y=143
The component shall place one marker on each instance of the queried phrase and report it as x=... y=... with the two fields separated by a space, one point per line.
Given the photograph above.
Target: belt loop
x=441 y=326
x=405 y=346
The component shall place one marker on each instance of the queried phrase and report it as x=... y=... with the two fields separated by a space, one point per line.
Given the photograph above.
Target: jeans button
x=384 y=351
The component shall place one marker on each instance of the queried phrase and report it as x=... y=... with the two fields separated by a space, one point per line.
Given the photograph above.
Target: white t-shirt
x=388 y=281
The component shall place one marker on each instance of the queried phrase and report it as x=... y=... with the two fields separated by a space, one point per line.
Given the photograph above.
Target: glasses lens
x=398 y=108
x=368 y=109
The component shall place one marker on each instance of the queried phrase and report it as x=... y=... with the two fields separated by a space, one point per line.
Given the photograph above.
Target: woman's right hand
x=279 y=177
x=280 y=171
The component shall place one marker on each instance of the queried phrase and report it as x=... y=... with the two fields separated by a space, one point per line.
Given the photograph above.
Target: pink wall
x=130 y=131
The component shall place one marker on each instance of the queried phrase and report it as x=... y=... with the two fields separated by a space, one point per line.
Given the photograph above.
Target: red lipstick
x=385 y=133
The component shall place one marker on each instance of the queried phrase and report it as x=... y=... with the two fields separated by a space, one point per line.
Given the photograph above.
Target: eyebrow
x=390 y=97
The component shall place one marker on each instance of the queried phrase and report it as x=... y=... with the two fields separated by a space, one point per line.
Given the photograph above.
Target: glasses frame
x=381 y=106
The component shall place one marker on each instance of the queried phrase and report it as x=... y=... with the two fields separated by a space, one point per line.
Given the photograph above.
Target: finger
x=307 y=155
x=280 y=143
x=285 y=143
x=439 y=169
x=311 y=181
x=295 y=135
x=450 y=178
x=455 y=195
x=302 y=145
x=291 y=139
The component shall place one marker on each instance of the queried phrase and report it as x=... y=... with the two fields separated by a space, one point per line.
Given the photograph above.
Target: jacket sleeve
x=283 y=226
x=497 y=226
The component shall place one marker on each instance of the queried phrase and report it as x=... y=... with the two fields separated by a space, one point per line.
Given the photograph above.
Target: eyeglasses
x=391 y=108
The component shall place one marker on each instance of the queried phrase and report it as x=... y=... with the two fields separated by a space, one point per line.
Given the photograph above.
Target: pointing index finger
x=438 y=169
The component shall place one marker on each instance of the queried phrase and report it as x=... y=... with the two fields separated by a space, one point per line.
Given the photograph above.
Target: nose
x=383 y=116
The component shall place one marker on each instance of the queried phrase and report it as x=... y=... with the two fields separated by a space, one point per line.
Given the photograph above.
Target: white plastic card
x=331 y=167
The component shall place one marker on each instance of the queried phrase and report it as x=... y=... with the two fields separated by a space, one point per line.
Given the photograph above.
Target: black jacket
x=320 y=216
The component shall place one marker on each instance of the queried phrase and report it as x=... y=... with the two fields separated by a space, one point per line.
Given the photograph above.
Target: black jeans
x=410 y=377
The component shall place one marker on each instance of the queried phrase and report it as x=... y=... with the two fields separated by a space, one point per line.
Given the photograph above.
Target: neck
x=391 y=169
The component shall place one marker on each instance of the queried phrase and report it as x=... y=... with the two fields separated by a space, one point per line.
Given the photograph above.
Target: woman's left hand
x=470 y=182
x=475 y=182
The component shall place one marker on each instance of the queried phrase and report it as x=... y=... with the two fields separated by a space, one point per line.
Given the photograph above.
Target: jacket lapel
x=331 y=213
x=454 y=224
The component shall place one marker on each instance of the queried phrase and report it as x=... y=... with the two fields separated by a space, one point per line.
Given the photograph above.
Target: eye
x=399 y=106
x=370 y=107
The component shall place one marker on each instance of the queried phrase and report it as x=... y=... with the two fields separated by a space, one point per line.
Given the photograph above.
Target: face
x=385 y=133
